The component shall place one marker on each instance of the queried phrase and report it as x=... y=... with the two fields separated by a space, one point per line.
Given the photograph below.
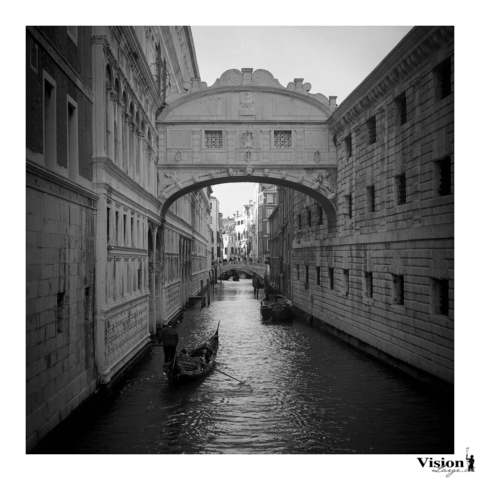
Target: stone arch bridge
x=247 y=127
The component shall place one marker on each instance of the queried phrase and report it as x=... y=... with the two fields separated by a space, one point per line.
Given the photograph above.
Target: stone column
x=111 y=100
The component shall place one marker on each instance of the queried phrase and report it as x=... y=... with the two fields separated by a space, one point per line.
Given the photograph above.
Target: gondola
x=276 y=309
x=189 y=366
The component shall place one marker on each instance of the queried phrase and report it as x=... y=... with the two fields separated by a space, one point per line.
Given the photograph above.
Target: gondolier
x=168 y=336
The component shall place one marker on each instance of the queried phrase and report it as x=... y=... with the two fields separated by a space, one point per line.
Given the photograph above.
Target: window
x=372 y=130
x=282 y=139
x=213 y=139
x=401 y=108
x=439 y=296
x=87 y=305
x=108 y=225
x=269 y=198
x=348 y=206
x=309 y=218
x=318 y=275
x=116 y=227
x=444 y=176
x=368 y=284
x=132 y=236
x=299 y=217
x=124 y=230
x=49 y=121
x=371 y=199
x=72 y=139
x=320 y=215
x=401 y=187
x=298 y=272
x=348 y=145
x=330 y=277
x=443 y=79
x=306 y=274
x=398 y=291
x=346 y=283
x=60 y=317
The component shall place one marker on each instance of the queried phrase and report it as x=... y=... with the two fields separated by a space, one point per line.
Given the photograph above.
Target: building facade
x=104 y=270
x=383 y=276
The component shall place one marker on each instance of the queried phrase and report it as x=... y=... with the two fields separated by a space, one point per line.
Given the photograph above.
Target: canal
x=305 y=392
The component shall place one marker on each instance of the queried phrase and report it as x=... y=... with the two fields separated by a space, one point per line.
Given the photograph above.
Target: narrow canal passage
x=305 y=392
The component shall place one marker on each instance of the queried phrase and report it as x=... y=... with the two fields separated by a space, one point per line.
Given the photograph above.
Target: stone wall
x=392 y=256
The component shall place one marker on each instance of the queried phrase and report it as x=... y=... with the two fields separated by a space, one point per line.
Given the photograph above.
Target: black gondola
x=276 y=309
x=192 y=365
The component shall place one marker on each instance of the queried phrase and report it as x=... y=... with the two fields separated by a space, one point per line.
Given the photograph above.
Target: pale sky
x=334 y=60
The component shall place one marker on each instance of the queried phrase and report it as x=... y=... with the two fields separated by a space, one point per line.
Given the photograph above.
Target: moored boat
x=193 y=364
x=276 y=308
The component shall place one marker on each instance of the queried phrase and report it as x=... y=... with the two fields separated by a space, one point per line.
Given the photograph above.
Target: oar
x=240 y=381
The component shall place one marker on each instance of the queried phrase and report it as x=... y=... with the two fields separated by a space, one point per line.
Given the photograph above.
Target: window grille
x=320 y=215
x=213 y=139
x=401 y=189
x=348 y=205
x=298 y=272
x=443 y=73
x=440 y=296
x=398 y=289
x=282 y=139
x=346 y=283
x=444 y=177
x=371 y=198
x=330 y=277
x=372 y=130
x=318 y=275
x=299 y=221
x=306 y=274
x=309 y=218
x=348 y=145
x=369 y=284
x=401 y=106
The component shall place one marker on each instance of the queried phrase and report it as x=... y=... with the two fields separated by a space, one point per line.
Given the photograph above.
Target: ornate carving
x=211 y=174
x=316 y=156
x=178 y=156
x=322 y=181
x=175 y=179
x=300 y=179
x=248 y=155
x=283 y=174
x=195 y=178
x=231 y=172
x=266 y=172
x=249 y=170
x=247 y=139
x=247 y=101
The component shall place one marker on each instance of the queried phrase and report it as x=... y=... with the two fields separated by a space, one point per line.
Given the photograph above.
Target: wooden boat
x=276 y=309
x=236 y=278
x=190 y=366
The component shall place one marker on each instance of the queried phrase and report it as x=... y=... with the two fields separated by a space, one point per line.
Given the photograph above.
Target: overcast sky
x=334 y=60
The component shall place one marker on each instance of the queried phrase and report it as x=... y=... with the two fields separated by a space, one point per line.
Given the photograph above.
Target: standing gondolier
x=168 y=336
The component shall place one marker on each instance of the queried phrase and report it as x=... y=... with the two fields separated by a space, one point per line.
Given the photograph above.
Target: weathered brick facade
x=383 y=276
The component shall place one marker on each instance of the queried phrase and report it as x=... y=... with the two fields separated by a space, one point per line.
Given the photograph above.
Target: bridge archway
x=247 y=127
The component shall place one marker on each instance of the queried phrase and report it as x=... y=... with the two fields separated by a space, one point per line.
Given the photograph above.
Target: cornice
x=115 y=172
x=59 y=180
x=404 y=59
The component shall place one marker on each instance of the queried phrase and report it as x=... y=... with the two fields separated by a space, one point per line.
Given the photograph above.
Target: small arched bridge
x=249 y=267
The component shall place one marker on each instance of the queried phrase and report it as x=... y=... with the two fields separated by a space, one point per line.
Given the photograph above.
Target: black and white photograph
x=240 y=243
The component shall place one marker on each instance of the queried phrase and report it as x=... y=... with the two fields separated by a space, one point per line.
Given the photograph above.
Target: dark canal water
x=305 y=392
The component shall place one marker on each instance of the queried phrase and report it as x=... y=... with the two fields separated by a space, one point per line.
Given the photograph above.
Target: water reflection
x=304 y=392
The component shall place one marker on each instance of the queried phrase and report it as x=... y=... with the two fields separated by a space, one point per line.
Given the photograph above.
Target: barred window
x=346 y=282
x=443 y=75
x=401 y=107
x=372 y=130
x=213 y=139
x=371 y=199
x=309 y=218
x=368 y=284
x=282 y=139
x=444 y=176
x=348 y=206
x=348 y=145
x=401 y=183
x=398 y=290
x=320 y=215
x=440 y=296
x=318 y=275
x=330 y=277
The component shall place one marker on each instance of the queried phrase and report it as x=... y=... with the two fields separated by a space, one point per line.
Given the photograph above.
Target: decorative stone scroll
x=178 y=156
